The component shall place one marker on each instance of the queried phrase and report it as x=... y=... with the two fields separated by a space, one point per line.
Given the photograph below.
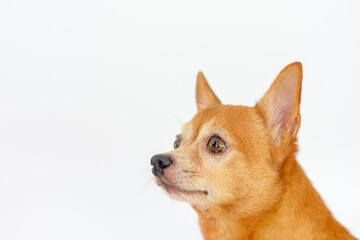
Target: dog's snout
x=159 y=163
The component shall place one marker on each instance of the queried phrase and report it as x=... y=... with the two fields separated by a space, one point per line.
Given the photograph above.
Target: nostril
x=161 y=165
x=165 y=162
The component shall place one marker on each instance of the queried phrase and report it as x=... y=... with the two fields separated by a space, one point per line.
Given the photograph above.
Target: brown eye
x=177 y=143
x=216 y=144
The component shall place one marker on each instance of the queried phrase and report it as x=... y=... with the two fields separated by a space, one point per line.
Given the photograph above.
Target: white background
x=90 y=90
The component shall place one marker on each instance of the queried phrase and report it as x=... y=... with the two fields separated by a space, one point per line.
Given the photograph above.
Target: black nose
x=160 y=162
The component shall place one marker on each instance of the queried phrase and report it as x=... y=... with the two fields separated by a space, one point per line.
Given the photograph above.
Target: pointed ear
x=281 y=104
x=205 y=97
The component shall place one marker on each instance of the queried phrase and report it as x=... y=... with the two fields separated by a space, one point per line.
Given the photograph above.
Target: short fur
x=255 y=188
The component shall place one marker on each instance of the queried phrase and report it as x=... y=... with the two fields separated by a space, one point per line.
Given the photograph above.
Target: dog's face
x=228 y=154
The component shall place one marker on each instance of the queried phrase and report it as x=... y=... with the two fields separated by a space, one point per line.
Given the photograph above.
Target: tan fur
x=255 y=189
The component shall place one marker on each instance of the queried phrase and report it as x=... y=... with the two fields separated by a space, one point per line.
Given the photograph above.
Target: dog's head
x=228 y=154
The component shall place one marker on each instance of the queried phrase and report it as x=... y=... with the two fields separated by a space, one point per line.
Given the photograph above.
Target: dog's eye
x=216 y=144
x=177 y=143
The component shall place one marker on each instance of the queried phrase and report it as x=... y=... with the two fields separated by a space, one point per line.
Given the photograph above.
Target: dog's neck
x=299 y=214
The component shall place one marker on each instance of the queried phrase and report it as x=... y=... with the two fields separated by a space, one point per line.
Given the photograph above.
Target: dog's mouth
x=172 y=189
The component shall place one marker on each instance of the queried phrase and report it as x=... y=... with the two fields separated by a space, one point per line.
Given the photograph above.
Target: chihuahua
x=236 y=166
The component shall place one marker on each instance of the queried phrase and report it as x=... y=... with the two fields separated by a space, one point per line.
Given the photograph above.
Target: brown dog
x=236 y=166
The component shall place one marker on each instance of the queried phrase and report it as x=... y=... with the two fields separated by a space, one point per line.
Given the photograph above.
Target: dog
x=236 y=166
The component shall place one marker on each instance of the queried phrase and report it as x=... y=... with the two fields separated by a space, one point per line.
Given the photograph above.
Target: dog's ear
x=281 y=104
x=205 y=97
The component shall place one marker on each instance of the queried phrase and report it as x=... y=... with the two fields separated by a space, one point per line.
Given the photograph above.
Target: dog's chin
x=178 y=193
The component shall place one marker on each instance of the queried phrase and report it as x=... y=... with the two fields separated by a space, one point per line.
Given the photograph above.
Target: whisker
x=146 y=184
x=190 y=171
x=179 y=121
x=199 y=176
x=192 y=174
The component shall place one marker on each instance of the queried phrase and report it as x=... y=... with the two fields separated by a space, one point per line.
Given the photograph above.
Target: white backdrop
x=90 y=90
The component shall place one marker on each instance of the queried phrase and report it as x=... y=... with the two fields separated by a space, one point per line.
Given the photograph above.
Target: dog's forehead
x=201 y=120
x=191 y=132
x=209 y=120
